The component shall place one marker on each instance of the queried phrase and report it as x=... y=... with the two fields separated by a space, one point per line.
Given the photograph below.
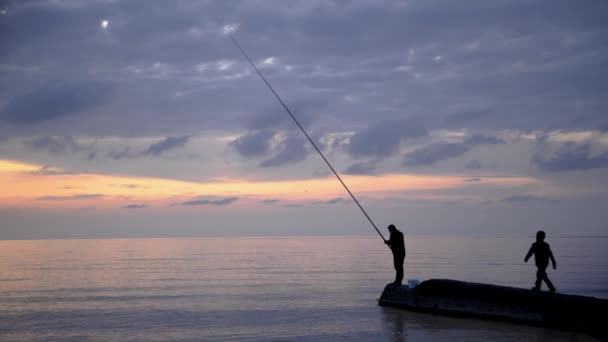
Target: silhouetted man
x=397 y=246
x=542 y=254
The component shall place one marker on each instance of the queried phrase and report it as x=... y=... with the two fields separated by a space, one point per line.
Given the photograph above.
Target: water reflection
x=402 y=325
x=260 y=289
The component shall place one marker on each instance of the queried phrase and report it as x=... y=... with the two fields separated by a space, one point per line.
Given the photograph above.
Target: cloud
x=363 y=168
x=135 y=206
x=129 y=186
x=434 y=152
x=480 y=139
x=494 y=68
x=290 y=150
x=55 y=100
x=275 y=137
x=474 y=165
x=382 y=139
x=255 y=144
x=167 y=144
x=278 y=118
x=203 y=201
x=332 y=201
x=57 y=145
x=548 y=73
x=526 y=198
x=571 y=157
x=122 y=153
x=465 y=117
x=51 y=171
x=270 y=201
x=70 y=198
x=472 y=180
x=337 y=200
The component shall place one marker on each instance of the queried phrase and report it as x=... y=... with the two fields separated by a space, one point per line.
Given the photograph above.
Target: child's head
x=540 y=236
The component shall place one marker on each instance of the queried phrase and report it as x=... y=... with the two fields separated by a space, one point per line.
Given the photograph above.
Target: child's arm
x=530 y=252
x=552 y=258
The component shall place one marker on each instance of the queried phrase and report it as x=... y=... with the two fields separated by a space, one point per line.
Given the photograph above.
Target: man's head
x=540 y=236
x=391 y=228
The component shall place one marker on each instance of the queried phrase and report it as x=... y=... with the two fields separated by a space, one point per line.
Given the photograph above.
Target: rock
x=459 y=298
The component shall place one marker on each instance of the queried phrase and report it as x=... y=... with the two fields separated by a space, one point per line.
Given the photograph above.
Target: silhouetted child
x=395 y=242
x=542 y=254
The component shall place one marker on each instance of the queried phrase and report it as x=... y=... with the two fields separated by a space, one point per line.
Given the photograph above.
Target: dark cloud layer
x=438 y=151
x=175 y=68
x=55 y=100
x=354 y=72
x=526 y=198
x=473 y=165
x=293 y=148
x=166 y=144
x=57 y=145
x=70 y=198
x=204 y=201
x=129 y=186
x=156 y=149
x=571 y=157
x=135 y=206
x=363 y=168
x=279 y=148
x=254 y=144
x=466 y=117
x=383 y=138
x=337 y=200
x=51 y=171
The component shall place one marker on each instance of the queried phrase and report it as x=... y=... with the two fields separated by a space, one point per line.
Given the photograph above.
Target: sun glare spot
x=104 y=24
x=228 y=29
x=270 y=60
x=224 y=65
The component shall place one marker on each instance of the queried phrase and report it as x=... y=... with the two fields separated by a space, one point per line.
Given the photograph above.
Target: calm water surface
x=241 y=289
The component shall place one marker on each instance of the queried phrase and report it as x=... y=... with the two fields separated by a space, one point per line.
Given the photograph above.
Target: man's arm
x=530 y=252
x=390 y=241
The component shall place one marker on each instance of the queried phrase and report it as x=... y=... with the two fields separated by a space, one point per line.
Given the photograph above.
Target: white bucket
x=412 y=283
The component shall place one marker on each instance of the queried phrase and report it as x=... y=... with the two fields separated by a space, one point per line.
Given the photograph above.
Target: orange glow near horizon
x=28 y=185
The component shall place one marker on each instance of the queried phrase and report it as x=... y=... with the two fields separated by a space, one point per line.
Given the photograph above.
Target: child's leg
x=548 y=282
x=539 y=278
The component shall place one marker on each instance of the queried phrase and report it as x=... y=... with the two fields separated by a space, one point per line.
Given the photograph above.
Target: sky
x=142 y=119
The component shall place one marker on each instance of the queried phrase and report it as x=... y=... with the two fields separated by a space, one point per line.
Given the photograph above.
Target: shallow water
x=305 y=289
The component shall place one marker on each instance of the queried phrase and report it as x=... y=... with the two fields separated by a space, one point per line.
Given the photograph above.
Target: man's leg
x=399 y=276
x=398 y=260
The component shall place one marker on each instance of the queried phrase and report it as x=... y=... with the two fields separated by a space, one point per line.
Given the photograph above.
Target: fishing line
x=306 y=134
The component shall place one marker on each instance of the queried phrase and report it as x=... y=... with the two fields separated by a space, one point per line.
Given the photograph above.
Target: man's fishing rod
x=306 y=134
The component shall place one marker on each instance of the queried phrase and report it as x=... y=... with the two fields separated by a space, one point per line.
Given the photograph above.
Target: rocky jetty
x=464 y=299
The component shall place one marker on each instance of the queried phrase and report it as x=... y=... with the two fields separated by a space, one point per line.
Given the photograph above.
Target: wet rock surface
x=459 y=298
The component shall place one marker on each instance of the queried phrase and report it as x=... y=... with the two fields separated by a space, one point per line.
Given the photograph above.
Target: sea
x=268 y=289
